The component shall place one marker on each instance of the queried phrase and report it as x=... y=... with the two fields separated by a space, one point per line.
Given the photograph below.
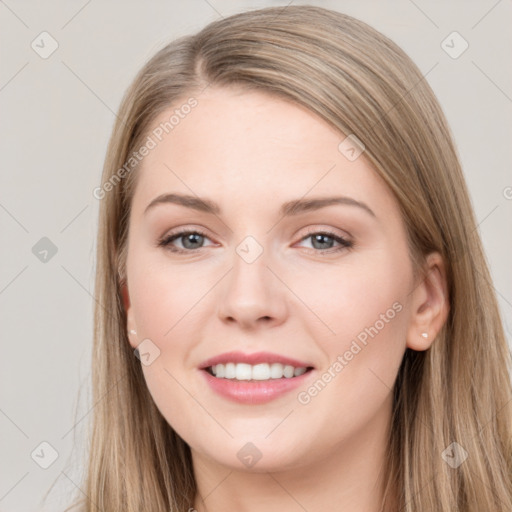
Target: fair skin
x=250 y=153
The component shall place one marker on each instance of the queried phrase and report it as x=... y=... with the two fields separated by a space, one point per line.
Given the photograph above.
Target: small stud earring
x=132 y=331
x=424 y=334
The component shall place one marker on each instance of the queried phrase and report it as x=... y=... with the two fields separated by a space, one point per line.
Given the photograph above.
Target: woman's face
x=271 y=269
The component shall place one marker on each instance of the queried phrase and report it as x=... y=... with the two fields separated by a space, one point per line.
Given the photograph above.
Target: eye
x=191 y=240
x=323 y=241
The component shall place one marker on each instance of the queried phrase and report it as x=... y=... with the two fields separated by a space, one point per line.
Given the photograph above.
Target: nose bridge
x=251 y=291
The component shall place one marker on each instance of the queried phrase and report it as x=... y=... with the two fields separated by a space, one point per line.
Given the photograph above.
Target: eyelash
x=168 y=239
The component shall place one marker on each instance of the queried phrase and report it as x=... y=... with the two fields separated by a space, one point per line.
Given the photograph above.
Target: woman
x=294 y=308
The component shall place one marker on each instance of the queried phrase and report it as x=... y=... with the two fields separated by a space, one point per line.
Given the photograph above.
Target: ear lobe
x=130 y=321
x=430 y=305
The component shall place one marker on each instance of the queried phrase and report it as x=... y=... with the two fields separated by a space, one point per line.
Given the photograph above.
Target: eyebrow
x=289 y=208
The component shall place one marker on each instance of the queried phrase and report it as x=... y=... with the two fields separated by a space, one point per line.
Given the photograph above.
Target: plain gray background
x=57 y=114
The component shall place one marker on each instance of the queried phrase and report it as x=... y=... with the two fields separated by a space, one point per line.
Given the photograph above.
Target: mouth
x=258 y=372
x=255 y=378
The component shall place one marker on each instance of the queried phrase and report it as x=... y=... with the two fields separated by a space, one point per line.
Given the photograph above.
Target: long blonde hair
x=361 y=83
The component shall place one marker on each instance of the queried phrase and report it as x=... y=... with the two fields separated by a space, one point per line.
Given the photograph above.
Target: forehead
x=229 y=122
x=240 y=145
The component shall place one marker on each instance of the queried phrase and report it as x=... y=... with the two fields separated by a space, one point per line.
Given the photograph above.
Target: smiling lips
x=261 y=371
x=257 y=366
x=254 y=378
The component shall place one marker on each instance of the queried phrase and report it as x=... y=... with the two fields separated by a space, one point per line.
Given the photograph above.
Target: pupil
x=318 y=238
x=190 y=238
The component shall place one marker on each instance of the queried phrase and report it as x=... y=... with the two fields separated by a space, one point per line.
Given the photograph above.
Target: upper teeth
x=263 y=371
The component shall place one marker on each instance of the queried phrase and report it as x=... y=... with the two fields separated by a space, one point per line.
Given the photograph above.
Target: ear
x=429 y=305
x=130 y=321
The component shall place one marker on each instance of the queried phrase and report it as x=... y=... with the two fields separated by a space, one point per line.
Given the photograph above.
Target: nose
x=252 y=295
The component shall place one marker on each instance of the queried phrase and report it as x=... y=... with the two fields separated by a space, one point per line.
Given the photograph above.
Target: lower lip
x=254 y=392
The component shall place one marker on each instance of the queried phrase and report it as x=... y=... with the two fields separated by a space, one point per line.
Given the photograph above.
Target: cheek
x=166 y=304
x=363 y=309
x=167 y=298
x=174 y=397
x=362 y=358
x=357 y=294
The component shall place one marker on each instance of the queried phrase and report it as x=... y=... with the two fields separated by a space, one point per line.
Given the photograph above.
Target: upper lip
x=252 y=359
